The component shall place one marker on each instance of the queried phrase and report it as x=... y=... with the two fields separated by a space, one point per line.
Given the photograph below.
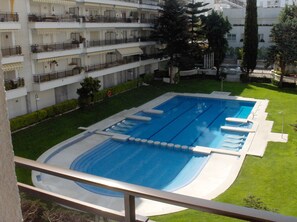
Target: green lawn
x=271 y=178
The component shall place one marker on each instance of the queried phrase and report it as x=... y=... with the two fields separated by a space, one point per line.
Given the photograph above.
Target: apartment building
x=50 y=46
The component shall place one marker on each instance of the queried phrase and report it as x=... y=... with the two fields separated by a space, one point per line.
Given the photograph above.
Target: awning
x=99 y=52
x=56 y=58
x=11 y=66
x=61 y=2
x=130 y=51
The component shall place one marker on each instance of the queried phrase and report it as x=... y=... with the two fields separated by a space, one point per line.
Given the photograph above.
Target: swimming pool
x=190 y=121
x=214 y=174
x=140 y=164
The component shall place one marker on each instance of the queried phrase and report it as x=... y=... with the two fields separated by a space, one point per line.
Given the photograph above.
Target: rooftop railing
x=131 y=191
x=9 y=17
x=39 y=78
x=36 y=48
x=14 y=83
x=11 y=51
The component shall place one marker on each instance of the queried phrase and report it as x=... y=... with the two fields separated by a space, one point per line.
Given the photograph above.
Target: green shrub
x=148 y=78
x=37 y=116
x=65 y=106
x=103 y=94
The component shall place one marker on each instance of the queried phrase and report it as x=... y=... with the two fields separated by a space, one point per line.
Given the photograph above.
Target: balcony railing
x=53 y=18
x=93 y=43
x=39 y=78
x=131 y=191
x=14 y=83
x=9 y=17
x=98 y=67
x=11 y=51
x=106 y=19
x=53 y=47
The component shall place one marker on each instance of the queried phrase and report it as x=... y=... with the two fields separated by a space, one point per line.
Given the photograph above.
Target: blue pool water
x=185 y=121
x=189 y=121
x=141 y=164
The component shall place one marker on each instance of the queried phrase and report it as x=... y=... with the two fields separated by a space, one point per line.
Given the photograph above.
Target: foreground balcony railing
x=14 y=83
x=52 y=18
x=94 y=43
x=39 y=78
x=98 y=67
x=9 y=17
x=53 y=47
x=11 y=51
x=131 y=191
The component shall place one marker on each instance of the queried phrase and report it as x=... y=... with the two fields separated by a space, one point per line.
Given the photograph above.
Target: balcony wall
x=12 y=59
x=53 y=54
x=16 y=93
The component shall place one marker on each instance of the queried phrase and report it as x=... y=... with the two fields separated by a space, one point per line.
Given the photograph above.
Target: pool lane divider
x=195 y=149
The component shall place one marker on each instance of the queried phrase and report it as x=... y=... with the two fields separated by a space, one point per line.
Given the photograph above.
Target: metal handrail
x=36 y=48
x=131 y=191
x=10 y=51
x=9 y=17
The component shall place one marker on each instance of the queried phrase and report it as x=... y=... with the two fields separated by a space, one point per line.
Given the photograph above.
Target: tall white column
x=10 y=207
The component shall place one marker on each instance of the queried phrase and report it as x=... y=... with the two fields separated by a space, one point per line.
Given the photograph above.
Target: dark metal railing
x=39 y=78
x=107 y=19
x=131 y=191
x=53 y=47
x=11 y=51
x=53 y=18
x=14 y=83
x=98 y=67
x=93 y=43
x=9 y=17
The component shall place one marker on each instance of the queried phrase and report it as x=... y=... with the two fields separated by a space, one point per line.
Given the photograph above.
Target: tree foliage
x=216 y=27
x=284 y=35
x=250 y=41
x=171 y=29
x=86 y=93
x=194 y=53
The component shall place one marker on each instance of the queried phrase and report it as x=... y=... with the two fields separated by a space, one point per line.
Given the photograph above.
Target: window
x=231 y=37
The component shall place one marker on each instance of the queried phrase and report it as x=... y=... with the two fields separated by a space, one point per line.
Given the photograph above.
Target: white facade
x=50 y=46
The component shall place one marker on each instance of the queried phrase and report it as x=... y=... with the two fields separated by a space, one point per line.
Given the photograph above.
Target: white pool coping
x=216 y=177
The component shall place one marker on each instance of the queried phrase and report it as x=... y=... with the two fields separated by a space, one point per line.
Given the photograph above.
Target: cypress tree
x=250 y=41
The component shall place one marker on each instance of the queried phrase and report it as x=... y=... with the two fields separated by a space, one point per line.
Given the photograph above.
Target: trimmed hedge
x=105 y=93
x=37 y=116
x=51 y=111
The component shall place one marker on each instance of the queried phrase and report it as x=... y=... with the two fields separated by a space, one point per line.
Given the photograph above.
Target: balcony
x=99 y=67
x=53 y=21
x=14 y=83
x=9 y=17
x=9 y=21
x=12 y=51
x=40 y=78
x=94 y=43
x=53 y=47
x=106 y=19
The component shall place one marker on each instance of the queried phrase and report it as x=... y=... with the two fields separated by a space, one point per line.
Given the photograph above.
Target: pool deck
x=216 y=177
